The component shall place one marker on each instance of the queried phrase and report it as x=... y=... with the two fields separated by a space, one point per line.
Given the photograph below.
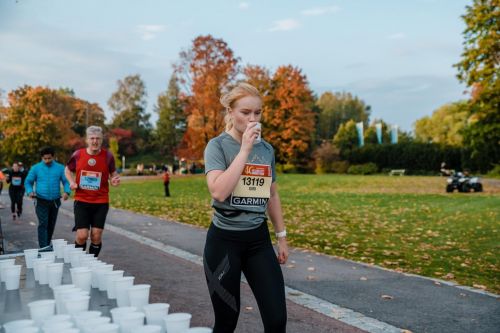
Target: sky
x=396 y=55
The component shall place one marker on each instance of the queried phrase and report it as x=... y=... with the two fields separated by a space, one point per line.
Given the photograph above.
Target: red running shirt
x=92 y=175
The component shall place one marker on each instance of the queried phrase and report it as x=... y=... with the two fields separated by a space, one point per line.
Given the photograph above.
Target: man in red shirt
x=89 y=171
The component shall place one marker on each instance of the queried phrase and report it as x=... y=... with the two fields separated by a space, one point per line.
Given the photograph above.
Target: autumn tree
x=171 y=124
x=346 y=137
x=479 y=69
x=206 y=68
x=289 y=120
x=128 y=103
x=35 y=117
x=337 y=109
x=445 y=125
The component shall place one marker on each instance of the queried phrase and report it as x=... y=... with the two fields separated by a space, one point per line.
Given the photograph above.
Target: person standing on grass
x=90 y=171
x=43 y=184
x=241 y=178
x=16 y=178
x=166 y=182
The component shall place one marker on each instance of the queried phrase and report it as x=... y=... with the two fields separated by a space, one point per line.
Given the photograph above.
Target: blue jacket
x=48 y=179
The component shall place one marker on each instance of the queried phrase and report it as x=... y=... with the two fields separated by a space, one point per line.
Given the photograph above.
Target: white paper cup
x=177 y=322
x=37 y=266
x=138 y=295
x=12 y=275
x=31 y=329
x=77 y=303
x=155 y=313
x=100 y=276
x=92 y=323
x=56 y=327
x=81 y=277
x=96 y=266
x=121 y=286
x=56 y=319
x=58 y=245
x=117 y=313
x=51 y=255
x=107 y=328
x=55 y=273
x=148 y=329
x=75 y=256
x=82 y=317
x=15 y=325
x=5 y=263
x=199 y=330
x=70 y=330
x=29 y=255
x=67 y=249
x=39 y=310
x=128 y=323
x=109 y=284
x=63 y=295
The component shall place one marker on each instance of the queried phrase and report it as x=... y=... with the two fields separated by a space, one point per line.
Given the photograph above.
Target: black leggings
x=16 y=201
x=227 y=254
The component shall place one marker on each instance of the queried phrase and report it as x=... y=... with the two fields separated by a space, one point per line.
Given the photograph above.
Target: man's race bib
x=254 y=187
x=17 y=181
x=90 y=180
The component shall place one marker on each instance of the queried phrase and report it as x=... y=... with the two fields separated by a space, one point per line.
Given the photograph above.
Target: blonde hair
x=228 y=100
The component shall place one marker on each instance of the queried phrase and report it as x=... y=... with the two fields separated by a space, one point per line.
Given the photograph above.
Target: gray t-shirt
x=245 y=208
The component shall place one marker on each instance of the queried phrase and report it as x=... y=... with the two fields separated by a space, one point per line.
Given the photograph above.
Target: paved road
x=417 y=304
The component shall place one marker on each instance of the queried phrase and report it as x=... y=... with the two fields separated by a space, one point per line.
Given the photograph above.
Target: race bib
x=17 y=181
x=254 y=186
x=90 y=180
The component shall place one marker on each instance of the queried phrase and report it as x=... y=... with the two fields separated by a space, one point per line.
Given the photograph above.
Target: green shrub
x=363 y=169
x=495 y=172
x=339 y=167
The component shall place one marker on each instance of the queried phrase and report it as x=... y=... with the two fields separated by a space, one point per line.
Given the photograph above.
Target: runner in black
x=241 y=178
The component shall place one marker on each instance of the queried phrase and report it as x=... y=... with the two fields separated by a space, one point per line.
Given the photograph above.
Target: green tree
x=445 y=125
x=171 y=123
x=347 y=137
x=479 y=69
x=129 y=106
x=337 y=109
x=371 y=133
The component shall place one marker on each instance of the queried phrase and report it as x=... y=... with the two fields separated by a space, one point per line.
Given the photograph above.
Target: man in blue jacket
x=48 y=175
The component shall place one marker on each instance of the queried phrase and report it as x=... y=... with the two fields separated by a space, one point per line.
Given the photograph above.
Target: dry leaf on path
x=311 y=269
x=311 y=277
x=248 y=308
x=290 y=266
x=363 y=278
x=387 y=297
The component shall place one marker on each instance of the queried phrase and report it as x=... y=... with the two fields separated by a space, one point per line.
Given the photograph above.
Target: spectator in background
x=166 y=182
x=48 y=176
x=16 y=190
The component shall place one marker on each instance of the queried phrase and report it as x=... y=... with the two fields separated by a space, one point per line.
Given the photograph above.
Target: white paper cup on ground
x=56 y=318
x=90 y=325
x=63 y=295
x=118 y=313
x=56 y=327
x=131 y=321
x=101 y=281
x=109 y=283
x=82 y=317
x=39 y=310
x=81 y=277
x=15 y=325
x=31 y=329
x=67 y=249
x=107 y=328
x=38 y=265
x=5 y=263
x=121 y=293
x=148 y=329
x=75 y=256
x=199 y=330
x=55 y=273
x=177 y=322
x=94 y=268
x=29 y=255
x=70 y=330
x=155 y=313
x=76 y=304
x=138 y=295
x=12 y=275
x=51 y=255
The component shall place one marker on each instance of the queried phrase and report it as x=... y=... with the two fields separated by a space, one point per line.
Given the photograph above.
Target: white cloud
x=244 y=5
x=285 y=25
x=320 y=10
x=149 y=31
x=398 y=35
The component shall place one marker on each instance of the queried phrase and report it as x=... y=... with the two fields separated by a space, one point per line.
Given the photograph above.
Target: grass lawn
x=403 y=223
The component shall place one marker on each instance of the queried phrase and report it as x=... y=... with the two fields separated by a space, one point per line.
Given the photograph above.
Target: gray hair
x=94 y=130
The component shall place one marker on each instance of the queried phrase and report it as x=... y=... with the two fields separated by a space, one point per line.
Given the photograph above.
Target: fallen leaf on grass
x=387 y=297
x=479 y=286
x=449 y=276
